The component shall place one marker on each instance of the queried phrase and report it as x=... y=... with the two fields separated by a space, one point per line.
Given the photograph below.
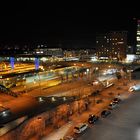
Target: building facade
x=58 y=52
x=138 y=38
x=111 y=45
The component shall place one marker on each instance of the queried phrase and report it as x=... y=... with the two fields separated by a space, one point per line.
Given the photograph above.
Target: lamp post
x=130 y=76
x=25 y=90
x=78 y=107
x=68 y=111
x=94 y=97
x=39 y=82
x=87 y=72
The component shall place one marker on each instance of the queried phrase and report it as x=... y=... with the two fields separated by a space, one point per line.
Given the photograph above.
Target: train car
x=5 y=113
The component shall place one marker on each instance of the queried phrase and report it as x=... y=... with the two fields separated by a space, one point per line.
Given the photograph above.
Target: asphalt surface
x=122 y=124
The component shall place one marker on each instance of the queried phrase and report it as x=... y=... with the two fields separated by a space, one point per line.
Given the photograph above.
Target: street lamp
x=78 y=107
x=95 y=71
x=39 y=82
x=53 y=99
x=68 y=112
x=34 y=81
x=64 y=98
x=96 y=68
x=24 y=88
x=130 y=76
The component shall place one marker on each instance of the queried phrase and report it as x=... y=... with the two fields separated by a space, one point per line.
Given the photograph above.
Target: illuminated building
x=138 y=38
x=130 y=49
x=111 y=45
x=49 y=51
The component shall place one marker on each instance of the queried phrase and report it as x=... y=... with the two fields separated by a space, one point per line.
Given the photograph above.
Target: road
x=122 y=124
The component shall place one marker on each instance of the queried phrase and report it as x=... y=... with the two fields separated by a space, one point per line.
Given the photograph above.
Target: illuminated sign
x=36 y=63
x=12 y=61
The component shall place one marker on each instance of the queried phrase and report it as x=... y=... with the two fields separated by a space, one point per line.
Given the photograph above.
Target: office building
x=111 y=45
x=138 y=38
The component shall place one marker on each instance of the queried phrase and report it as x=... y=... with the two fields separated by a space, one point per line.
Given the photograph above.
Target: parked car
x=112 y=105
x=134 y=88
x=93 y=118
x=80 y=128
x=131 y=89
x=116 y=100
x=69 y=138
x=105 y=113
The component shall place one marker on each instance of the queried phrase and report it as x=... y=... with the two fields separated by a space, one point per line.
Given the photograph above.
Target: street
x=122 y=124
x=79 y=87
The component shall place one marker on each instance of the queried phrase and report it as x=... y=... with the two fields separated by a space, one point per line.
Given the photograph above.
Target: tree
x=118 y=75
x=124 y=69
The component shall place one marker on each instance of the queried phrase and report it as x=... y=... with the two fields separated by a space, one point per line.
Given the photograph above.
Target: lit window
x=120 y=42
x=138 y=38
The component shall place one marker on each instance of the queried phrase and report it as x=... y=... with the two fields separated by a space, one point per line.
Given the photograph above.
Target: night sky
x=28 y=23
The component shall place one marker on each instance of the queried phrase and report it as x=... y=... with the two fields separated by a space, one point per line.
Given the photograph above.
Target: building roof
x=2 y=109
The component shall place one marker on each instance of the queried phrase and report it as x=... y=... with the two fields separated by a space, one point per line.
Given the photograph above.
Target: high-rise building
x=138 y=38
x=111 y=45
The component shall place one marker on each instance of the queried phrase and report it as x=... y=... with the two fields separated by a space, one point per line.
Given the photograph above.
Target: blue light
x=12 y=61
x=36 y=63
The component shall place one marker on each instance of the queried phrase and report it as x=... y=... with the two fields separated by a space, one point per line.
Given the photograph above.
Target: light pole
x=39 y=82
x=87 y=72
x=78 y=107
x=130 y=76
x=68 y=111
x=94 y=97
x=25 y=90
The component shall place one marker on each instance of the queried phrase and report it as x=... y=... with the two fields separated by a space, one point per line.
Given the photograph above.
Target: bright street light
x=87 y=70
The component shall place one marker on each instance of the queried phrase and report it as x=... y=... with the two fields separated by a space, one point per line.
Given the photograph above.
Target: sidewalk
x=60 y=133
x=67 y=129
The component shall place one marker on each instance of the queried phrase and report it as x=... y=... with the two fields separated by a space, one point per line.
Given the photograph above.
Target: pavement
x=60 y=133
x=67 y=129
